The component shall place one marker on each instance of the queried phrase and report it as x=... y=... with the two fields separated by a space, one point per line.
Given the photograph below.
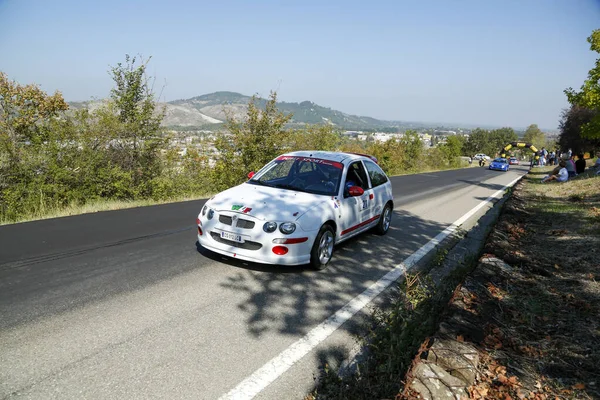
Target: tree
x=250 y=144
x=499 y=138
x=571 y=123
x=31 y=147
x=534 y=136
x=25 y=112
x=477 y=142
x=314 y=137
x=589 y=95
x=452 y=150
x=139 y=139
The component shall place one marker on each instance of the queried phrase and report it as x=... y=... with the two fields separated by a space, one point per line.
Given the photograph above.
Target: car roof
x=327 y=155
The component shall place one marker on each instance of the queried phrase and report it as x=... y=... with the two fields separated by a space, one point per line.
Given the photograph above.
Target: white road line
x=266 y=374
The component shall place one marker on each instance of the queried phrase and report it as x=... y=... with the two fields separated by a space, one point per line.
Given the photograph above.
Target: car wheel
x=384 y=221
x=322 y=249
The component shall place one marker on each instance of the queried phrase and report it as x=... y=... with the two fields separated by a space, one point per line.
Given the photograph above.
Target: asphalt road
x=123 y=304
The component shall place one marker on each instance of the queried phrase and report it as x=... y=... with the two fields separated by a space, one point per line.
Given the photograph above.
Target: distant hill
x=213 y=108
x=210 y=110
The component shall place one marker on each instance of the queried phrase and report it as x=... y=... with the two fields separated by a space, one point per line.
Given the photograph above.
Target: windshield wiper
x=287 y=186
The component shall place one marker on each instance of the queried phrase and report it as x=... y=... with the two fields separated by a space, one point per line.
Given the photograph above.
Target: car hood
x=265 y=203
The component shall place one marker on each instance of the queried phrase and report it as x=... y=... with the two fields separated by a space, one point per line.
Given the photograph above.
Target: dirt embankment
x=526 y=322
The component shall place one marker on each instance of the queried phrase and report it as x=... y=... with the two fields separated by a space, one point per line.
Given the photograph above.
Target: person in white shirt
x=562 y=175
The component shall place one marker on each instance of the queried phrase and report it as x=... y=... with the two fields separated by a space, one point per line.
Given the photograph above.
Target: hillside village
x=203 y=140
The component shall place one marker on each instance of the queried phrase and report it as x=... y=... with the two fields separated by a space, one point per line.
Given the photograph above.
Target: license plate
x=232 y=236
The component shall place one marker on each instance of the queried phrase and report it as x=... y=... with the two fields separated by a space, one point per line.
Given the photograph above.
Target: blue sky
x=484 y=62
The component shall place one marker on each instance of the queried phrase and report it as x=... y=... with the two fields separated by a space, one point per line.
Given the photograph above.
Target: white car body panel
x=267 y=203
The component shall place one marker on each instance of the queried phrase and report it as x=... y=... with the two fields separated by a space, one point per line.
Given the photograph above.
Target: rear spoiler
x=368 y=156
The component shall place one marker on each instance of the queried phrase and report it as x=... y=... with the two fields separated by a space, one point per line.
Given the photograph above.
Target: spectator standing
x=543 y=156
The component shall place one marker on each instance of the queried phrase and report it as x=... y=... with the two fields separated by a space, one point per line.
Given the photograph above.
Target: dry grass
x=97 y=206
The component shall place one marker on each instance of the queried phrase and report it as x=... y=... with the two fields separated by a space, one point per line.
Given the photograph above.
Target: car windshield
x=500 y=160
x=304 y=174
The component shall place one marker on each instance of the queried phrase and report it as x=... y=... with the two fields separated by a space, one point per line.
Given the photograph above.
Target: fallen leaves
x=495 y=291
x=558 y=232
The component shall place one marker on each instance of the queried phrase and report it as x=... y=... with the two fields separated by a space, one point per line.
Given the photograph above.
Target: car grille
x=241 y=223
x=247 y=245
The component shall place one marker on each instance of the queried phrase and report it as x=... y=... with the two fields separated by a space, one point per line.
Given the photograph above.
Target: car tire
x=322 y=249
x=385 y=220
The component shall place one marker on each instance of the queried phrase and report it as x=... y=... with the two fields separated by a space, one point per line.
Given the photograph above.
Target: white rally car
x=297 y=207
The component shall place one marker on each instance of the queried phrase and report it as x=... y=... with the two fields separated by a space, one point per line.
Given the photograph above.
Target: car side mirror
x=355 y=191
x=250 y=174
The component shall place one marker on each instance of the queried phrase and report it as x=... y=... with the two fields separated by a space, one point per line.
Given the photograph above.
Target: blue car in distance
x=500 y=164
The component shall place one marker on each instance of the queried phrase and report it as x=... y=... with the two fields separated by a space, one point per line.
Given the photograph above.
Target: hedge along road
x=122 y=304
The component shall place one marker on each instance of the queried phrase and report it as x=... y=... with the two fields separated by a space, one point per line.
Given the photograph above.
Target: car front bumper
x=258 y=245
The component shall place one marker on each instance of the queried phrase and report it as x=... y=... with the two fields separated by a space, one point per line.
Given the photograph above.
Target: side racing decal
x=355 y=227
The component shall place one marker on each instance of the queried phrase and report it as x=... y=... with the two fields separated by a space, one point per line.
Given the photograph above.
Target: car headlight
x=287 y=228
x=270 y=227
x=204 y=211
x=211 y=213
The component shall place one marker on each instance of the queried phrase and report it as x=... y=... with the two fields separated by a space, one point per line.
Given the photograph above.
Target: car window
x=306 y=167
x=278 y=170
x=376 y=174
x=356 y=176
x=311 y=175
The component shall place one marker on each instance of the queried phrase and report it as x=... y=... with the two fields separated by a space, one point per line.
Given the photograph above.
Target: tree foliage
x=25 y=114
x=571 y=123
x=250 y=144
x=452 y=150
x=535 y=136
x=139 y=136
x=589 y=94
x=314 y=137
x=489 y=142
x=51 y=157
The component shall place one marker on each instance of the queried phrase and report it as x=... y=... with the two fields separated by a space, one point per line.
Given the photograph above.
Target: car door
x=355 y=212
x=379 y=190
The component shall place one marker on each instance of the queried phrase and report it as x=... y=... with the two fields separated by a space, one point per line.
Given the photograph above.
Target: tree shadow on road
x=291 y=300
x=493 y=186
